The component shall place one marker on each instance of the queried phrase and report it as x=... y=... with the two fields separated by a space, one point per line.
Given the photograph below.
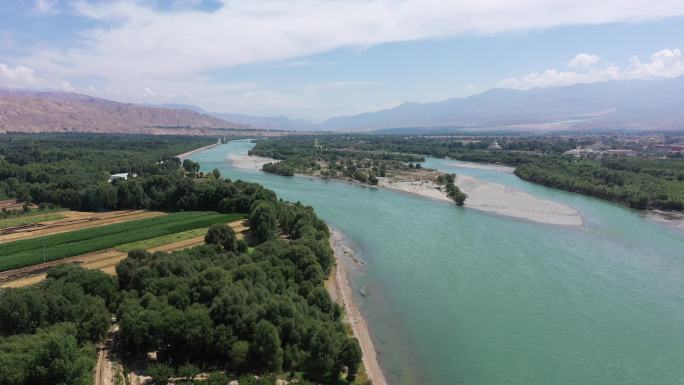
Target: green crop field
x=32 y=218
x=29 y=252
x=163 y=240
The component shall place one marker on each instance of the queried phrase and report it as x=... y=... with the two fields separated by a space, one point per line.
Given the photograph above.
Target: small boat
x=362 y=290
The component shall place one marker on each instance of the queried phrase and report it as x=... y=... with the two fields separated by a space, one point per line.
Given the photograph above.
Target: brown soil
x=106 y=367
x=76 y=220
x=12 y=205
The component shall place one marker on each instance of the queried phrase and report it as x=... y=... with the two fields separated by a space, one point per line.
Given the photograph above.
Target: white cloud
x=25 y=77
x=666 y=63
x=141 y=41
x=18 y=76
x=584 y=61
x=45 y=7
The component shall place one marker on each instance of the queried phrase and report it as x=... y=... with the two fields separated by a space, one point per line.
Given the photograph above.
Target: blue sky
x=320 y=58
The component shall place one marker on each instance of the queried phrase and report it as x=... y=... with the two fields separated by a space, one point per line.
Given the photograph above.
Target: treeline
x=329 y=157
x=447 y=146
x=73 y=170
x=638 y=183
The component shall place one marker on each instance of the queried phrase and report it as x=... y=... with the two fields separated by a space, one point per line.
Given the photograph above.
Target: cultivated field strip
x=75 y=220
x=53 y=247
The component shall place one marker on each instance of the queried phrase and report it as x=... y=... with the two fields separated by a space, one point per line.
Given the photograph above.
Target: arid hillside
x=27 y=111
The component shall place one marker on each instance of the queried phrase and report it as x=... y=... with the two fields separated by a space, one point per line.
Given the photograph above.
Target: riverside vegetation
x=638 y=182
x=231 y=308
x=347 y=158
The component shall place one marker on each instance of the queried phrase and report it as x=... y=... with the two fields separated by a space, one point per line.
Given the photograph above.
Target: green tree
x=350 y=356
x=222 y=235
x=321 y=359
x=263 y=222
x=59 y=360
x=239 y=352
x=160 y=373
x=266 y=346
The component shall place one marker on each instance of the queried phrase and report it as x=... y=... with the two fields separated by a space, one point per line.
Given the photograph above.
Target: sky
x=316 y=59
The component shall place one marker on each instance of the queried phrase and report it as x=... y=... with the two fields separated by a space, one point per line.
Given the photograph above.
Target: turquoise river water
x=457 y=296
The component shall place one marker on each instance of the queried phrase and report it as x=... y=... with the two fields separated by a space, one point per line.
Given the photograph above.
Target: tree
x=216 y=173
x=263 y=222
x=222 y=235
x=191 y=167
x=160 y=373
x=188 y=371
x=239 y=354
x=321 y=359
x=266 y=346
x=59 y=360
x=350 y=356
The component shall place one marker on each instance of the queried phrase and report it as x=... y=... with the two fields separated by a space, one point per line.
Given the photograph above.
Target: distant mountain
x=634 y=104
x=261 y=122
x=30 y=111
x=268 y=122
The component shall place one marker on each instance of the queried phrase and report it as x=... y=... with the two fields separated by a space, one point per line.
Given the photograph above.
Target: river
x=458 y=296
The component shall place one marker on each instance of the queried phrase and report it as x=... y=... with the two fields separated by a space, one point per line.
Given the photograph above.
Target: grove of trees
x=231 y=308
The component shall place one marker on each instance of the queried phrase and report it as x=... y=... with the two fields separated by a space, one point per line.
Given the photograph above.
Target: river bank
x=482 y=195
x=188 y=154
x=341 y=291
x=249 y=162
x=484 y=166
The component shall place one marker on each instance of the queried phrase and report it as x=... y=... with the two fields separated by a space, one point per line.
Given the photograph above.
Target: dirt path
x=106 y=368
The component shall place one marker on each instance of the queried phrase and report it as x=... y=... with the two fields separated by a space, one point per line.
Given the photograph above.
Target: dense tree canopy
x=222 y=306
x=259 y=311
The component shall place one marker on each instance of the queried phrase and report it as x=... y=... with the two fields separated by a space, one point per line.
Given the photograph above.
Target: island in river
x=413 y=179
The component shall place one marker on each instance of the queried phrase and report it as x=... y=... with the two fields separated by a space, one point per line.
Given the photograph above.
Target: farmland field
x=29 y=252
x=162 y=240
x=28 y=219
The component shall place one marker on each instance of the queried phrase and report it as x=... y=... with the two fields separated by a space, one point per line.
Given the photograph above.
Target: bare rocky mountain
x=29 y=111
x=621 y=104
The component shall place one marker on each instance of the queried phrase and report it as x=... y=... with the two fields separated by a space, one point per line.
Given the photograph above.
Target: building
x=123 y=175
x=494 y=146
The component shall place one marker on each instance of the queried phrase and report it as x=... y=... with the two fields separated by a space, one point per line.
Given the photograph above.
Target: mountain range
x=625 y=104
x=628 y=104
x=31 y=111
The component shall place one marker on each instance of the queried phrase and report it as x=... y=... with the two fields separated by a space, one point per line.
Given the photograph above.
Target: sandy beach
x=494 y=198
x=425 y=189
x=668 y=218
x=503 y=200
x=484 y=166
x=341 y=291
x=188 y=154
x=248 y=162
